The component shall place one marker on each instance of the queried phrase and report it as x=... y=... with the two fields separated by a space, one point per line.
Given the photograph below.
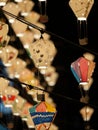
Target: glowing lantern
x=3 y=2
x=86 y=113
x=26 y=6
x=8 y=55
x=81 y=9
x=82 y=69
x=10 y=94
x=11 y=7
x=42 y=52
x=42 y=115
x=4 y=38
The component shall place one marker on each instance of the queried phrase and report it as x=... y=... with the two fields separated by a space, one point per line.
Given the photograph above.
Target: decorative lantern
x=81 y=9
x=86 y=113
x=42 y=52
x=4 y=38
x=10 y=94
x=26 y=7
x=42 y=115
x=8 y=55
x=11 y=7
x=82 y=69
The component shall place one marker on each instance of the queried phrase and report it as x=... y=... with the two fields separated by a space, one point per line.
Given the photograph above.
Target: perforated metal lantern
x=42 y=115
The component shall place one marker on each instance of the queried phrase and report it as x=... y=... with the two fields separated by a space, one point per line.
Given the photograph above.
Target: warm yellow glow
x=86 y=113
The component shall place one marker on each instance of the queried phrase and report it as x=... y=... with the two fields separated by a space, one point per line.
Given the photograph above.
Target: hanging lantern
x=82 y=69
x=42 y=52
x=81 y=9
x=25 y=110
x=25 y=7
x=42 y=115
x=11 y=7
x=10 y=94
x=86 y=113
x=3 y=2
x=8 y=55
x=4 y=38
x=18 y=105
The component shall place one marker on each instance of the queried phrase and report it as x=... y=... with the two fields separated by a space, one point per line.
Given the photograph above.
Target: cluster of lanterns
x=35 y=43
x=42 y=51
x=82 y=70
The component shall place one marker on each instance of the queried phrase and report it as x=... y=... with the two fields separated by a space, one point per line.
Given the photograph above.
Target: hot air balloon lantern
x=42 y=52
x=81 y=9
x=86 y=113
x=42 y=115
x=82 y=70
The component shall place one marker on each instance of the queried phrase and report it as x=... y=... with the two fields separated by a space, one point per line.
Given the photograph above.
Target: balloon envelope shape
x=42 y=115
x=82 y=70
x=81 y=8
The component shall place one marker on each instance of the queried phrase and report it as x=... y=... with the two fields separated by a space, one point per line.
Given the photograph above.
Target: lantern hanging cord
x=45 y=31
x=52 y=93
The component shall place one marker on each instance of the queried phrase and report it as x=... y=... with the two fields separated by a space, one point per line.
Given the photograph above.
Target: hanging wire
x=43 y=90
x=45 y=31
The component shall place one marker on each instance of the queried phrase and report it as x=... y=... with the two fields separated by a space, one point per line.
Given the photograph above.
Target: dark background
x=66 y=93
x=63 y=22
